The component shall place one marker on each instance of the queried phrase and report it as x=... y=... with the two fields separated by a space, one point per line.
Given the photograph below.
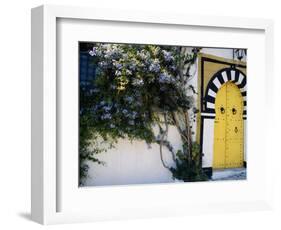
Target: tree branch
x=161 y=156
x=178 y=127
x=163 y=134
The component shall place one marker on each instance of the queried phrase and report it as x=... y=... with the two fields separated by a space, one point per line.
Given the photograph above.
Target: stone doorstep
x=228 y=174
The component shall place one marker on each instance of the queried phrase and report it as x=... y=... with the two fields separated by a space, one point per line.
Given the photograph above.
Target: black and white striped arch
x=221 y=77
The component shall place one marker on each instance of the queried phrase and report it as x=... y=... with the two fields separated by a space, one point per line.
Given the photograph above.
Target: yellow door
x=229 y=130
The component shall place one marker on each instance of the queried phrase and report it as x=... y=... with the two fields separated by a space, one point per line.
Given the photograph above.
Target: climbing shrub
x=136 y=87
x=189 y=170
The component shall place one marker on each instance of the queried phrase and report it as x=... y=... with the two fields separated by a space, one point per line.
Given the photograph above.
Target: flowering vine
x=135 y=88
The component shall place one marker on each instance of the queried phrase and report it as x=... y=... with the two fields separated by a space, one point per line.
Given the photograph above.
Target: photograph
x=153 y=113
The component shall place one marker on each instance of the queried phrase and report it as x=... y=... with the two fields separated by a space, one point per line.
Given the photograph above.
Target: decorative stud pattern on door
x=229 y=129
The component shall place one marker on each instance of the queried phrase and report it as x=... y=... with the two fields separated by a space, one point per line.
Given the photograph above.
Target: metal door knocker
x=236 y=130
x=234 y=111
x=222 y=110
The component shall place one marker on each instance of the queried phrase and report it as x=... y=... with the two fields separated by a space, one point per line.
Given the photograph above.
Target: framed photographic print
x=137 y=114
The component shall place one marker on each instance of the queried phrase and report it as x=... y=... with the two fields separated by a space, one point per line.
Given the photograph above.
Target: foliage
x=86 y=137
x=135 y=88
x=189 y=170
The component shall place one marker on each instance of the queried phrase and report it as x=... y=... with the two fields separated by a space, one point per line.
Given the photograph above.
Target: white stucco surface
x=133 y=163
x=208 y=143
x=225 y=53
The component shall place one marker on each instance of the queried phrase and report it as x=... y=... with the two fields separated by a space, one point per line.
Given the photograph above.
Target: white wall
x=225 y=53
x=15 y=115
x=208 y=143
x=134 y=163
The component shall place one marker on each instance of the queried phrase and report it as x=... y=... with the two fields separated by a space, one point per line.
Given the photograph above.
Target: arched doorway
x=228 y=127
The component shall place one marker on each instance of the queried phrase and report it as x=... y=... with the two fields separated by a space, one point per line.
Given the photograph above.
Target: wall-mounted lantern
x=240 y=53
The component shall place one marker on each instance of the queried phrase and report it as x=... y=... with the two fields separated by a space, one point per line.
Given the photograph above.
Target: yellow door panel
x=229 y=133
x=234 y=132
x=220 y=132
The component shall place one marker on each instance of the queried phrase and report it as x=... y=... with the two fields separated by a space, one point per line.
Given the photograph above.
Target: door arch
x=228 y=127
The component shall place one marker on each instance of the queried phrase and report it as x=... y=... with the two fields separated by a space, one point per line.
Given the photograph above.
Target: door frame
x=203 y=83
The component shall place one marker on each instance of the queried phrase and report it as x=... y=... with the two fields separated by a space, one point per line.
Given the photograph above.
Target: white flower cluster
x=144 y=55
x=118 y=73
x=106 y=116
x=95 y=51
x=128 y=72
x=124 y=63
x=112 y=51
x=165 y=77
x=137 y=82
x=167 y=55
x=117 y=65
x=155 y=66
x=107 y=108
x=108 y=51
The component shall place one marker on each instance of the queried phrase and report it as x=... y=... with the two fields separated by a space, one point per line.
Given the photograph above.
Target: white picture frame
x=45 y=168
